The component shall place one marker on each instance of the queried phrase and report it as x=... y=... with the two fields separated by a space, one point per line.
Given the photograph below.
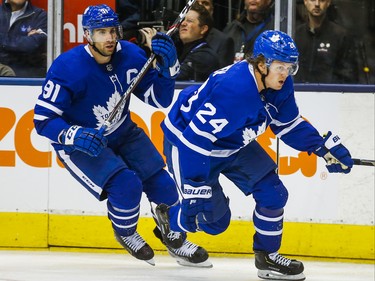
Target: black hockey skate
x=276 y=267
x=137 y=247
x=170 y=238
x=189 y=254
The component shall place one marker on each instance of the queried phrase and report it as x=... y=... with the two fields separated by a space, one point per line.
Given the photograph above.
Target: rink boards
x=326 y=216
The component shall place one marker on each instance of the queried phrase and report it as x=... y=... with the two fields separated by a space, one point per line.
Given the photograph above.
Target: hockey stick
x=363 y=162
x=119 y=106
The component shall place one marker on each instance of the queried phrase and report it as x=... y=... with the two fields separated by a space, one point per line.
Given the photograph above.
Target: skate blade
x=273 y=275
x=150 y=262
x=204 y=264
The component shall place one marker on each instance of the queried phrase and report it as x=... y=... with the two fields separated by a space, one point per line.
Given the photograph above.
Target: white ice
x=77 y=266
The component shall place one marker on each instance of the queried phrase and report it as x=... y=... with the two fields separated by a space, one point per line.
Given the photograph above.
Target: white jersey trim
x=264 y=218
x=88 y=50
x=81 y=175
x=268 y=233
x=195 y=147
x=125 y=211
x=279 y=124
x=179 y=221
x=213 y=153
x=204 y=134
x=295 y=123
x=224 y=153
x=251 y=69
x=150 y=93
x=50 y=107
x=172 y=128
x=124 y=217
x=40 y=117
x=125 y=226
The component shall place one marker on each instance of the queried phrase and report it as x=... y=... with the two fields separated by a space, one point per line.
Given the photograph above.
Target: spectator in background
x=302 y=14
x=23 y=38
x=6 y=71
x=256 y=17
x=131 y=12
x=198 y=60
x=221 y=43
x=325 y=48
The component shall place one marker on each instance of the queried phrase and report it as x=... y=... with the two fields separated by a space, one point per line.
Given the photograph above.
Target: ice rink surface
x=78 y=266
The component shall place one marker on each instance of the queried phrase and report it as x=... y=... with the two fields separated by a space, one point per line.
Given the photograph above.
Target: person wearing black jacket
x=23 y=38
x=326 y=52
x=220 y=42
x=256 y=17
x=198 y=60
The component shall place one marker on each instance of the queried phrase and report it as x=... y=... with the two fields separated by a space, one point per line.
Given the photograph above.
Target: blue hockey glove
x=87 y=140
x=196 y=207
x=336 y=154
x=194 y=212
x=167 y=63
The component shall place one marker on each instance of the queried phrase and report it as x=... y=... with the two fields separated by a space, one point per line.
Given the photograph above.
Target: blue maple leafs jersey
x=79 y=91
x=227 y=112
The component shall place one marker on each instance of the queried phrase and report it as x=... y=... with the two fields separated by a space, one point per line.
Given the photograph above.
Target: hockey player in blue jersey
x=81 y=89
x=212 y=129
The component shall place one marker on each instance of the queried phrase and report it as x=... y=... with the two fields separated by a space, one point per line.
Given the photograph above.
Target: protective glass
x=289 y=68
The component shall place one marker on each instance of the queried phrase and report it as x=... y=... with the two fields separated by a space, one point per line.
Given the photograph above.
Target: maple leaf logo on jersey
x=249 y=134
x=101 y=113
